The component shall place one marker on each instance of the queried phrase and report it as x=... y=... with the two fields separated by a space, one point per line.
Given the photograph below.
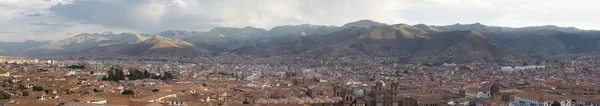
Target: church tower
x=338 y=91
x=495 y=90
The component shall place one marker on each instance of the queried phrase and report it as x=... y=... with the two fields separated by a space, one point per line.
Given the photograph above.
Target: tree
x=76 y=66
x=555 y=103
x=38 y=88
x=167 y=76
x=4 y=96
x=92 y=72
x=147 y=74
x=116 y=74
x=128 y=92
x=22 y=87
x=111 y=74
x=24 y=93
x=246 y=101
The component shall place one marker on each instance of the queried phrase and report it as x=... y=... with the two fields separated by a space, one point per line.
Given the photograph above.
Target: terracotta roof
x=476 y=90
x=541 y=96
x=156 y=96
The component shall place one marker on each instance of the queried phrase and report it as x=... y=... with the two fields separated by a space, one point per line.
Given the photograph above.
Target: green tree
x=38 y=88
x=116 y=74
x=24 y=93
x=22 y=87
x=555 y=103
x=4 y=96
x=146 y=74
x=167 y=76
x=246 y=101
x=128 y=92
x=111 y=75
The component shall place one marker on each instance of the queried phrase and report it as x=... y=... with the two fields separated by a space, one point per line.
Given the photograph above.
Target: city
x=236 y=80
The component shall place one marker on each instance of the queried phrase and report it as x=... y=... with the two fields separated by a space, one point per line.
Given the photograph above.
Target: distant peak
x=158 y=36
x=364 y=23
x=366 y=20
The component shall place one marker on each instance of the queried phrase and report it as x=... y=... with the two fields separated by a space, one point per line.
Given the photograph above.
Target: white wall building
x=96 y=101
x=539 y=99
x=477 y=93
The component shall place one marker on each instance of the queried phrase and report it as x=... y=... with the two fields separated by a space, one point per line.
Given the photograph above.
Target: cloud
x=157 y=15
x=34 y=15
x=142 y=15
x=154 y=16
x=51 y=25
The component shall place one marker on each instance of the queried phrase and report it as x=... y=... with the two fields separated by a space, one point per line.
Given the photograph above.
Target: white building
x=95 y=101
x=477 y=93
x=96 y=65
x=158 y=97
x=539 y=99
x=519 y=68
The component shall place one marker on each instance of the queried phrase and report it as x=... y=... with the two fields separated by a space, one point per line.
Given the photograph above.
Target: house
x=92 y=100
x=158 y=97
x=539 y=99
x=584 y=101
x=4 y=74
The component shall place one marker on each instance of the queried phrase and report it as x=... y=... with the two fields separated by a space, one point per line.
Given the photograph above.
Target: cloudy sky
x=58 y=19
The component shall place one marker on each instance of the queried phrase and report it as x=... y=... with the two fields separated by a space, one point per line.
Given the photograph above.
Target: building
x=4 y=74
x=539 y=99
x=477 y=93
x=92 y=100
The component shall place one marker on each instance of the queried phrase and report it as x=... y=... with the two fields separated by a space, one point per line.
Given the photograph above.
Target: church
x=380 y=95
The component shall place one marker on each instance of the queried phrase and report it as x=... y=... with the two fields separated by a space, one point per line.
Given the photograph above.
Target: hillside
x=153 y=46
x=465 y=46
x=537 y=41
x=18 y=48
x=474 y=42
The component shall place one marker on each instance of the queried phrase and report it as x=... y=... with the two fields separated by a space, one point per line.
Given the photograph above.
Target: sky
x=22 y=20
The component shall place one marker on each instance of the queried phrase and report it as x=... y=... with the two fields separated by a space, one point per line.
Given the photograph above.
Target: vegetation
x=96 y=90
x=167 y=76
x=246 y=101
x=4 y=96
x=76 y=66
x=137 y=74
x=38 y=88
x=24 y=93
x=555 y=103
x=128 y=92
x=22 y=87
x=115 y=74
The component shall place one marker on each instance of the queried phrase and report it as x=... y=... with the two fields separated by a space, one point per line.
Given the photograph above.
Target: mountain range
x=363 y=38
